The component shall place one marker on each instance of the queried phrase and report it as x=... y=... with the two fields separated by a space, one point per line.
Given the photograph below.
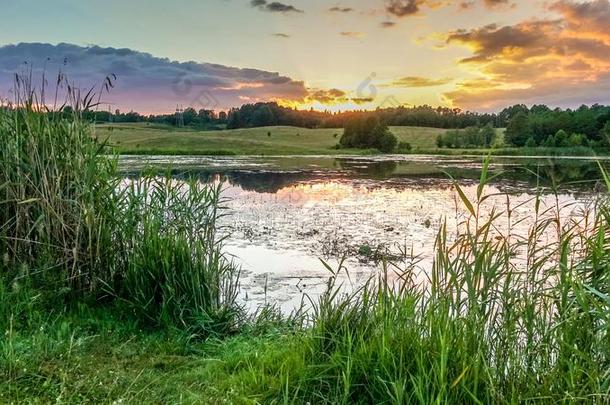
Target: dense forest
x=269 y=114
x=535 y=126
x=541 y=126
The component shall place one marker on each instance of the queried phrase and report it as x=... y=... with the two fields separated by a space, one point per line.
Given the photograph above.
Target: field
x=153 y=139
x=157 y=139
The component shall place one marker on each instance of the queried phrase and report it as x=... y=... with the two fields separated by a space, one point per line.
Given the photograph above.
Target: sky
x=478 y=55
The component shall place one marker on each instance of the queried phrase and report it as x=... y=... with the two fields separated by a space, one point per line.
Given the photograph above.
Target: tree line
x=189 y=117
x=538 y=125
x=270 y=114
x=542 y=126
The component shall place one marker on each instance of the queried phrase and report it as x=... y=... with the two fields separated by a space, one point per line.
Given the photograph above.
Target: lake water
x=288 y=213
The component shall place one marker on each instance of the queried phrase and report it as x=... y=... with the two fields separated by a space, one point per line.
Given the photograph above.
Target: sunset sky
x=479 y=55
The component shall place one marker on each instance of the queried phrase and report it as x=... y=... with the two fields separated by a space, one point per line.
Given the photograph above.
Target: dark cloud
x=518 y=42
x=592 y=17
x=362 y=100
x=274 y=7
x=281 y=35
x=402 y=8
x=340 y=9
x=407 y=8
x=331 y=96
x=388 y=24
x=148 y=83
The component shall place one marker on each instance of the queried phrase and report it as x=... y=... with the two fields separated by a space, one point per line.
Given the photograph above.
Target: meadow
x=117 y=291
x=158 y=139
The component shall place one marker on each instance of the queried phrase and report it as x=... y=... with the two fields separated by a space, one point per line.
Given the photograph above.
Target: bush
x=404 y=147
x=531 y=143
x=561 y=139
x=387 y=142
x=471 y=137
x=576 y=140
x=367 y=132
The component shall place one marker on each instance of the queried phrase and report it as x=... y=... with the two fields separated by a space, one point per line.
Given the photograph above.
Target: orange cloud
x=416 y=81
x=332 y=96
x=590 y=19
x=536 y=59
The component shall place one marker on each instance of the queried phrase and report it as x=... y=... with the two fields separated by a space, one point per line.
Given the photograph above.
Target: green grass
x=155 y=139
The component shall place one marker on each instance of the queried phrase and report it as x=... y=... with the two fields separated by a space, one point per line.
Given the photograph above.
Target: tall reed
x=501 y=319
x=72 y=227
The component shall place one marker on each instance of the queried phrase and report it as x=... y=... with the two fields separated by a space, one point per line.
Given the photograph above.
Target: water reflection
x=269 y=175
x=287 y=213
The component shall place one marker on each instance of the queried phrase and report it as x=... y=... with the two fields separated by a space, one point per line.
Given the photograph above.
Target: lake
x=286 y=214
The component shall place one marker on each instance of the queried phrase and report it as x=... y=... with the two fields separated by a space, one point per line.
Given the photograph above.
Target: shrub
x=404 y=147
x=576 y=140
x=471 y=137
x=367 y=132
x=387 y=142
x=561 y=138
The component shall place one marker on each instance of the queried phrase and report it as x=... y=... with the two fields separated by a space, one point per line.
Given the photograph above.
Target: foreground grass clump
x=116 y=290
x=72 y=229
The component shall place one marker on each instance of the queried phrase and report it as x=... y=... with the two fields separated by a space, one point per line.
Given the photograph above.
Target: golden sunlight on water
x=279 y=237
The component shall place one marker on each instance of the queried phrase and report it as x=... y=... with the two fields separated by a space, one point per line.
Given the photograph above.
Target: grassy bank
x=114 y=291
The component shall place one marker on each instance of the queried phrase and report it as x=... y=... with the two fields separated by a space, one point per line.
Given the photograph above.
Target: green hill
x=158 y=139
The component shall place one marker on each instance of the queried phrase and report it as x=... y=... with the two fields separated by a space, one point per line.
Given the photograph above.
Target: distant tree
x=471 y=137
x=576 y=140
x=440 y=141
x=234 y=119
x=368 y=132
x=488 y=134
x=262 y=116
x=518 y=130
x=189 y=115
x=222 y=117
x=404 y=147
x=549 y=142
x=530 y=143
x=387 y=142
x=561 y=139
x=606 y=131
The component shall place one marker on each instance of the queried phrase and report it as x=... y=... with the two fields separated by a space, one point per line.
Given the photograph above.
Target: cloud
x=352 y=34
x=332 y=96
x=590 y=19
x=406 y=8
x=388 y=24
x=147 y=83
x=274 y=7
x=547 y=60
x=498 y=3
x=416 y=81
x=402 y=8
x=280 y=35
x=340 y=9
x=362 y=100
